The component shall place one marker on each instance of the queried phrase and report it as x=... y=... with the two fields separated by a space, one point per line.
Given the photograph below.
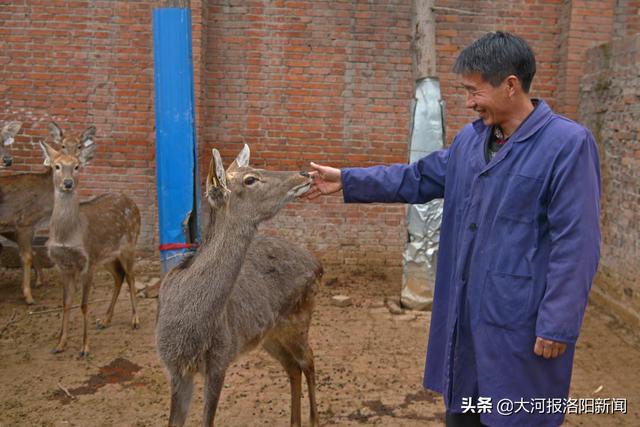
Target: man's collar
x=536 y=120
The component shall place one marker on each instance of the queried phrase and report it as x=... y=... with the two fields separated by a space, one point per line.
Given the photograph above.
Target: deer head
x=80 y=145
x=65 y=164
x=253 y=194
x=7 y=133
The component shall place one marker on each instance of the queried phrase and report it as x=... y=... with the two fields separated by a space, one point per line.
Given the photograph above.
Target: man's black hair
x=497 y=55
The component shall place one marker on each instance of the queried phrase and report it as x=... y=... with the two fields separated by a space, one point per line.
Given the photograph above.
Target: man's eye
x=250 y=180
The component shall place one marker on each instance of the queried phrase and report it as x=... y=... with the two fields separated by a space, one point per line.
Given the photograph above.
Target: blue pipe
x=176 y=148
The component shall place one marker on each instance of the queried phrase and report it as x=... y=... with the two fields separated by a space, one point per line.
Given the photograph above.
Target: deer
x=239 y=290
x=84 y=236
x=26 y=201
x=7 y=134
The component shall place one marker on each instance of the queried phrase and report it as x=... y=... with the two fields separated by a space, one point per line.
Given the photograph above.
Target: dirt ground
x=369 y=364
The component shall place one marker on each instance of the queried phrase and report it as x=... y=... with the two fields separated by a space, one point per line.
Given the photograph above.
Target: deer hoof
x=29 y=300
x=56 y=350
x=135 y=324
x=100 y=325
x=84 y=353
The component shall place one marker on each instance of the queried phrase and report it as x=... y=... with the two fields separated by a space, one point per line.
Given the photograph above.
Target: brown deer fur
x=82 y=237
x=25 y=201
x=238 y=291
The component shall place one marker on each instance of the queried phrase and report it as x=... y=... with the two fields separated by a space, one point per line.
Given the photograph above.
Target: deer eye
x=76 y=167
x=64 y=147
x=57 y=167
x=249 y=180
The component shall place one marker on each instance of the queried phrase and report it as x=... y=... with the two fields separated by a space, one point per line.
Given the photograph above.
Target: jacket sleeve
x=418 y=182
x=574 y=226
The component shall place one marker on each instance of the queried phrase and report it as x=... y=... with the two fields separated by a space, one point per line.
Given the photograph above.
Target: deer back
x=25 y=199
x=113 y=225
x=276 y=278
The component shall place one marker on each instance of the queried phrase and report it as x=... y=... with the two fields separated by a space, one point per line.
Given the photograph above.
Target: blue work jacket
x=519 y=248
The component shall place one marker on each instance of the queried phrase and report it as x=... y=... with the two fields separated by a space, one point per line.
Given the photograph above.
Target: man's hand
x=549 y=349
x=326 y=180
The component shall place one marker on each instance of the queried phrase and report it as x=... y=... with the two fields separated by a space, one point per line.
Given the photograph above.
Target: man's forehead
x=472 y=80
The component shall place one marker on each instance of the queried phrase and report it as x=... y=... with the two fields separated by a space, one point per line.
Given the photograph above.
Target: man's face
x=491 y=103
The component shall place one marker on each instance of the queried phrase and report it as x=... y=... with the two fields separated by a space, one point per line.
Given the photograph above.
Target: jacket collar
x=539 y=117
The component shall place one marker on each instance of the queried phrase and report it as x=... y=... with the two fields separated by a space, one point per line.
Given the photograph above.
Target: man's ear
x=242 y=160
x=9 y=131
x=49 y=153
x=513 y=84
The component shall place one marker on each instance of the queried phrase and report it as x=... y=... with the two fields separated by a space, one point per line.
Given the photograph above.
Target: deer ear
x=242 y=160
x=87 y=154
x=216 y=170
x=55 y=132
x=88 y=136
x=49 y=153
x=88 y=145
x=9 y=131
x=216 y=185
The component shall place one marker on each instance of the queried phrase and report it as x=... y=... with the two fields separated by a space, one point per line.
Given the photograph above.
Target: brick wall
x=328 y=81
x=84 y=63
x=609 y=106
x=627 y=18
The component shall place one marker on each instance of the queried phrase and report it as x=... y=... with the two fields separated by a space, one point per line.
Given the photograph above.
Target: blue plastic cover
x=176 y=154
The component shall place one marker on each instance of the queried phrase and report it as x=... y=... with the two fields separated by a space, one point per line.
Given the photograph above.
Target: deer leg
x=118 y=277
x=302 y=354
x=308 y=368
x=87 y=279
x=69 y=286
x=24 y=235
x=181 y=390
x=38 y=269
x=214 y=378
x=291 y=366
x=131 y=281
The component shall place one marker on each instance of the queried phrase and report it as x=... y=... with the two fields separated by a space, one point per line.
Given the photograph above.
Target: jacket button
x=473 y=226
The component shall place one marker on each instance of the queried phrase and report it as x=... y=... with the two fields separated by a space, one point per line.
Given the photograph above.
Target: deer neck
x=65 y=226
x=222 y=255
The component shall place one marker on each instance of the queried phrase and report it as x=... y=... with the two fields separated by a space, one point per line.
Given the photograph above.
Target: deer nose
x=8 y=160
x=68 y=183
x=305 y=174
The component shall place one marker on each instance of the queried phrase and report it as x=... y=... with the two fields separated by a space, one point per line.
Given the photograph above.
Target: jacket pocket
x=520 y=200
x=506 y=299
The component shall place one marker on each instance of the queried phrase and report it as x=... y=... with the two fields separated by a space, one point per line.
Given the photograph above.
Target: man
x=519 y=242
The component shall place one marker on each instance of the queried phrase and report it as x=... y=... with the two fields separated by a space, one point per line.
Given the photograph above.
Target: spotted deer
x=26 y=202
x=84 y=236
x=239 y=290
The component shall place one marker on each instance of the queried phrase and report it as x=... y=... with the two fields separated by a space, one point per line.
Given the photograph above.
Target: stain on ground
x=117 y=372
x=375 y=408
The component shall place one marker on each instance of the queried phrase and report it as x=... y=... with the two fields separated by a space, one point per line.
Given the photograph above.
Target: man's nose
x=470 y=102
